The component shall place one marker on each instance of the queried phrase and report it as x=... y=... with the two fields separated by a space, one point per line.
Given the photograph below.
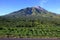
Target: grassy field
x=42 y=31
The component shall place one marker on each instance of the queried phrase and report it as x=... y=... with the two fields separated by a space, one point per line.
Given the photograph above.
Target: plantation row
x=30 y=32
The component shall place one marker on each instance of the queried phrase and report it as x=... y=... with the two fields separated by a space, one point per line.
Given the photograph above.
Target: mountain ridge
x=31 y=11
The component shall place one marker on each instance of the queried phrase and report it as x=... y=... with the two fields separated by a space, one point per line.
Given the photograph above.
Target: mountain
x=31 y=11
x=32 y=14
x=30 y=22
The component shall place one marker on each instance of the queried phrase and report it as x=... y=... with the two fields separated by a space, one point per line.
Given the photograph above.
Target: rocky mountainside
x=32 y=11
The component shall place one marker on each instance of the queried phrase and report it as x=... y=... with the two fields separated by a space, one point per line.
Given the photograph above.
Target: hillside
x=30 y=22
x=31 y=11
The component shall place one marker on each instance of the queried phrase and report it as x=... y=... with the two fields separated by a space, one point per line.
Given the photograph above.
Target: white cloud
x=42 y=2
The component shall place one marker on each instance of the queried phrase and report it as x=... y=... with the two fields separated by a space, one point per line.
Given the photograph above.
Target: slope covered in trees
x=43 y=27
x=30 y=23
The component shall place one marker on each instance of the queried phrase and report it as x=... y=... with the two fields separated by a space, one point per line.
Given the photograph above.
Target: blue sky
x=8 y=6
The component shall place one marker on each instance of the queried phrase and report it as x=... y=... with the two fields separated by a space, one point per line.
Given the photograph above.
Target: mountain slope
x=30 y=22
x=31 y=11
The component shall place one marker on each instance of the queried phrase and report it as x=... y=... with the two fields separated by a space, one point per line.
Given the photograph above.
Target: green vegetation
x=30 y=22
x=42 y=27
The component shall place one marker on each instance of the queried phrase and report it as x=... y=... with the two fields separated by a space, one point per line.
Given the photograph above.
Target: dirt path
x=29 y=39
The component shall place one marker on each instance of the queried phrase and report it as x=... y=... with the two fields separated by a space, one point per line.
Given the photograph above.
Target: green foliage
x=29 y=28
